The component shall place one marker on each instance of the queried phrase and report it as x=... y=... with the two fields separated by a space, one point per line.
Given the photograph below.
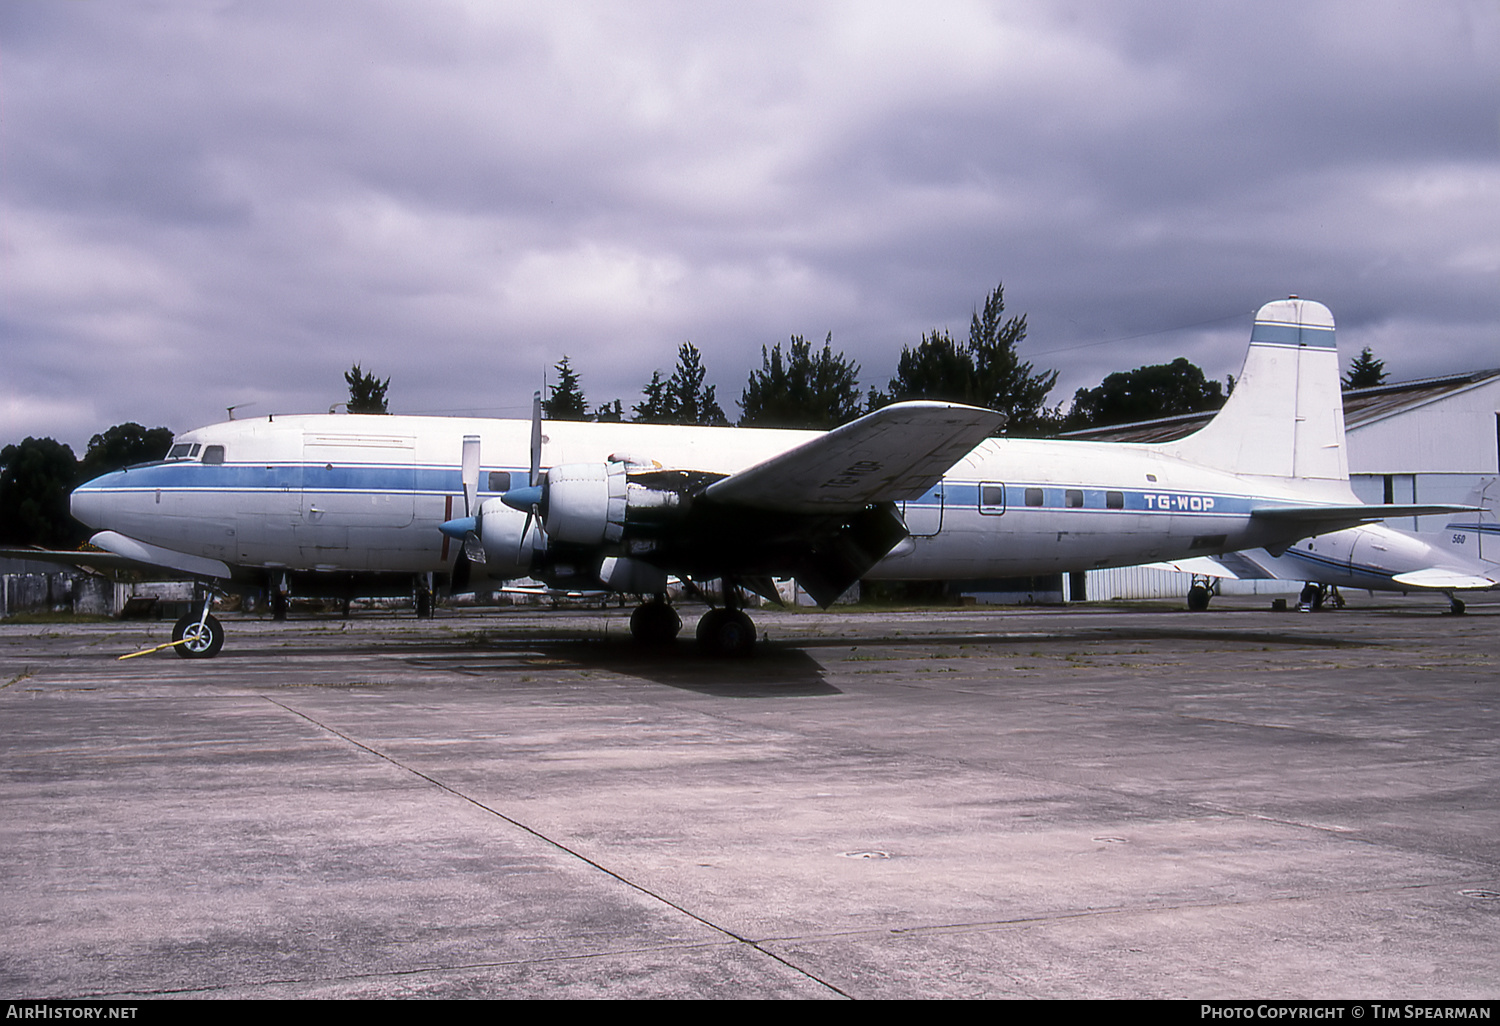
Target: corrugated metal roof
x=1361 y=406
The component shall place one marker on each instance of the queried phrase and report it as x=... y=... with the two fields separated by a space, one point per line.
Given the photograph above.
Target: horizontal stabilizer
x=1446 y=580
x=1233 y=566
x=1200 y=566
x=893 y=454
x=1321 y=519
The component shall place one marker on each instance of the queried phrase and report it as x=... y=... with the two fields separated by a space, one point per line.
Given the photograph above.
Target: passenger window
x=1033 y=496
x=213 y=454
x=1074 y=498
x=500 y=481
x=992 y=499
x=1114 y=500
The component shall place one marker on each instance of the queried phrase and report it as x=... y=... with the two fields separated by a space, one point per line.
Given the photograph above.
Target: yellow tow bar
x=157 y=648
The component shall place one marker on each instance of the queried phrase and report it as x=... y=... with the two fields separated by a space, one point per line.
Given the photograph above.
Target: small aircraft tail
x=1285 y=417
x=1474 y=533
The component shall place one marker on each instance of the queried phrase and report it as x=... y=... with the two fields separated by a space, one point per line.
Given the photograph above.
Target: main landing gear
x=1316 y=596
x=655 y=624
x=723 y=630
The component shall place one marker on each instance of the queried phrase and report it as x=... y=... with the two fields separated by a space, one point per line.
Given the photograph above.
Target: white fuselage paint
x=354 y=493
x=367 y=493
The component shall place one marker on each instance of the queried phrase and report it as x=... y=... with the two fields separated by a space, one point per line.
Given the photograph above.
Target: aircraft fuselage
x=350 y=493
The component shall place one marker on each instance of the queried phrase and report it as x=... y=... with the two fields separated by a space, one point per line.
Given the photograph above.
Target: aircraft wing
x=158 y=557
x=1322 y=519
x=1233 y=566
x=1443 y=579
x=895 y=453
x=76 y=558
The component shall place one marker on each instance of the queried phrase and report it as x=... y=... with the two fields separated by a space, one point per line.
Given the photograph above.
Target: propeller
x=466 y=527
x=529 y=499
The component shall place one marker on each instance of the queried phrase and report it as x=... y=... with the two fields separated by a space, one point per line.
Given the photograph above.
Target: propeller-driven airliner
x=916 y=490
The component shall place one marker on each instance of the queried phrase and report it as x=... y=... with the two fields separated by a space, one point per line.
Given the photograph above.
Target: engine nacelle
x=508 y=553
x=596 y=521
x=596 y=504
x=586 y=503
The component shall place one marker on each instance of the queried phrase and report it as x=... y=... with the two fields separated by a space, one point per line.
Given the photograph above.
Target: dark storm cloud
x=210 y=204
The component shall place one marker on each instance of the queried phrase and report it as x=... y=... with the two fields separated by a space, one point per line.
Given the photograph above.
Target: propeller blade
x=466 y=527
x=536 y=440
x=470 y=473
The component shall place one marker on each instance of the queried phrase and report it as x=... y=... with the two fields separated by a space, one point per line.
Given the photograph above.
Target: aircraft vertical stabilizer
x=1285 y=417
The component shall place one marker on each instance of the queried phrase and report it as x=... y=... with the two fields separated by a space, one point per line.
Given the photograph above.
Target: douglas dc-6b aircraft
x=1463 y=556
x=917 y=490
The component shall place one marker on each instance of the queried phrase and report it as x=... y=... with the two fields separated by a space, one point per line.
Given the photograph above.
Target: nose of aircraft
x=88 y=503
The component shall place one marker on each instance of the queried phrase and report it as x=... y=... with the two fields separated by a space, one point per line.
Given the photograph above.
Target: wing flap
x=895 y=453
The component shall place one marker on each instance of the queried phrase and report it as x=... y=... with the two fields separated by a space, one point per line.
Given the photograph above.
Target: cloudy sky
x=206 y=204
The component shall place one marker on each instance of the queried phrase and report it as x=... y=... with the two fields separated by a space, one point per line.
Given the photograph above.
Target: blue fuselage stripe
x=403 y=480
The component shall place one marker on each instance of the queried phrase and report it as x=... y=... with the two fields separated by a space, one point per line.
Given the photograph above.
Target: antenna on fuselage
x=238 y=406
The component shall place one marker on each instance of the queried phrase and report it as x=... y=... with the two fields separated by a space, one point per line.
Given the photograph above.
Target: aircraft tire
x=1456 y=607
x=1197 y=599
x=726 y=632
x=201 y=645
x=655 y=624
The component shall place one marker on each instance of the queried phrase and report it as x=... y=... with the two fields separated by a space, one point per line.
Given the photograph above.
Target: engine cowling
x=585 y=503
x=595 y=520
x=510 y=543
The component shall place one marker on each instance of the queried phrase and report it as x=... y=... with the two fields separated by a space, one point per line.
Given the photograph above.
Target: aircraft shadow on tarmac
x=778 y=670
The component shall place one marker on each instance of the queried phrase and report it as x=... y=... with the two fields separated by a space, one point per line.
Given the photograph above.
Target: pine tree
x=566 y=401
x=366 y=392
x=985 y=372
x=1365 y=371
x=801 y=390
x=682 y=399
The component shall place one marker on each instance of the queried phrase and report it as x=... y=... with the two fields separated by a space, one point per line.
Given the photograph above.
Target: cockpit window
x=179 y=451
x=213 y=454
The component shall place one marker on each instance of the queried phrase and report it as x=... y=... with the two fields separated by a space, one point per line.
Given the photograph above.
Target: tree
x=801 y=390
x=937 y=369
x=123 y=445
x=366 y=392
x=682 y=399
x=35 y=479
x=566 y=401
x=1160 y=390
x=985 y=372
x=653 y=408
x=1365 y=371
x=610 y=413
